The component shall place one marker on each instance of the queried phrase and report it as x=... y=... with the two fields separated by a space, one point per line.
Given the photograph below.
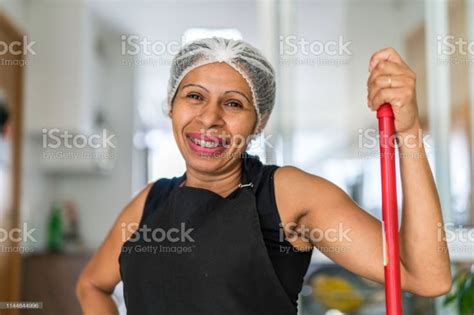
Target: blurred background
x=82 y=90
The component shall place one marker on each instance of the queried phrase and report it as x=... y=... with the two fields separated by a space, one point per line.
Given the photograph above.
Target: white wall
x=330 y=100
x=107 y=84
x=101 y=198
x=57 y=79
x=374 y=25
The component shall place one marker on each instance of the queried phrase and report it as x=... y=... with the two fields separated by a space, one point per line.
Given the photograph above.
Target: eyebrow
x=230 y=91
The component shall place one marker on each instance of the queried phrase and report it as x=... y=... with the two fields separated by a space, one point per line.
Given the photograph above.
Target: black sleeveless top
x=290 y=264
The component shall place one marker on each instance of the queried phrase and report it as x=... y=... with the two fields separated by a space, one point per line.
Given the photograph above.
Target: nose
x=211 y=115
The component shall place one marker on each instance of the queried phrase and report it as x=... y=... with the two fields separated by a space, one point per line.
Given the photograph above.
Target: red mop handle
x=389 y=210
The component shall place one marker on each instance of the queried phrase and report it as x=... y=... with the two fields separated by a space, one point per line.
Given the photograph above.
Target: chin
x=209 y=162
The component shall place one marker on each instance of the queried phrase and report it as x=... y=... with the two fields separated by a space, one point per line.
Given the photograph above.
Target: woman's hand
x=392 y=81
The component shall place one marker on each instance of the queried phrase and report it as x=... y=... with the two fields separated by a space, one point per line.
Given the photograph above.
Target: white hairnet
x=240 y=55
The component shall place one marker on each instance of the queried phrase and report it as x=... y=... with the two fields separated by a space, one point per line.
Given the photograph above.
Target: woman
x=209 y=241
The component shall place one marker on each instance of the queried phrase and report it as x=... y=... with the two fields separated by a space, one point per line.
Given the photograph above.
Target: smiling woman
x=220 y=95
x=207 y=92
x=212 y=113
x=234 y=236
x=217 y=103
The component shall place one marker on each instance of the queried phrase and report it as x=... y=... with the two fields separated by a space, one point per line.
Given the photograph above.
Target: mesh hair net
x=238 y=54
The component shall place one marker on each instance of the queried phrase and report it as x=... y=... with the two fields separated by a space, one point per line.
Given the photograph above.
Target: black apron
x=221 y=266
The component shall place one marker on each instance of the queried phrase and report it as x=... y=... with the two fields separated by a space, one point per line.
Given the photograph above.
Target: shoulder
x=292 y=178
x=289 y=176
x=303 y=191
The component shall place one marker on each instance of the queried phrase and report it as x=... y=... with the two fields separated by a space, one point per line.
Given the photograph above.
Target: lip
x=196 y=135
x=201 y=136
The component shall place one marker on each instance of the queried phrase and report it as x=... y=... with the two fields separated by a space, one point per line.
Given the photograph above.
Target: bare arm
x=422 y=239
x=99 y=278
x=331 y=221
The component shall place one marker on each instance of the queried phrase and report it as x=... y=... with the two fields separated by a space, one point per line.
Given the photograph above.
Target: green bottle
x=55 y=229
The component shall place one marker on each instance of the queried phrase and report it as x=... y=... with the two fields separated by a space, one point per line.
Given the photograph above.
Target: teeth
x=206 y=144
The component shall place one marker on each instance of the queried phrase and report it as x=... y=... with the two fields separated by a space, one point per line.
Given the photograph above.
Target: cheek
x=181 y=115
x=242 y=125
x=249 y=122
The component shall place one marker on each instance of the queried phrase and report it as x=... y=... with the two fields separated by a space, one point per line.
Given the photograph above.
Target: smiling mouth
x=205 y=144
x=209 y=142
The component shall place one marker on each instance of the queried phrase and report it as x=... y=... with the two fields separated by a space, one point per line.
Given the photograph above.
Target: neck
x=221 y=183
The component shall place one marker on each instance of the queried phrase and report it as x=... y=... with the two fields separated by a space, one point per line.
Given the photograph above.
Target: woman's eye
x=194 y=97
x=234 y=104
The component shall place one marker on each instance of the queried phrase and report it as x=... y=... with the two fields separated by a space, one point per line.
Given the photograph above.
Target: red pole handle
x=393 y=301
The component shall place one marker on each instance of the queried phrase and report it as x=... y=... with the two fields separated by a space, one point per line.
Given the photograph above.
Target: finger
x=392 y=96
x=389 y=54
x=383 y=82
x=384 y=68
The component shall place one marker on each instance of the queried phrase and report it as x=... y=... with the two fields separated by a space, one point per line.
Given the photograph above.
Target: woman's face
x=212 y=116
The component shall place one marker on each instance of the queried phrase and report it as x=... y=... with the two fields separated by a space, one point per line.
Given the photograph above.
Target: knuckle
x=378 y=81
x=373 y=83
